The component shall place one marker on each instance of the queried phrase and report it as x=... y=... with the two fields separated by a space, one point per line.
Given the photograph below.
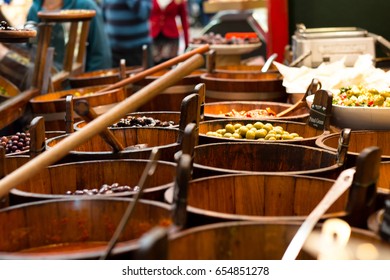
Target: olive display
x=105 y=189
x=5 y=26
x=132 y=121
x=257 y=131
x=16 y=143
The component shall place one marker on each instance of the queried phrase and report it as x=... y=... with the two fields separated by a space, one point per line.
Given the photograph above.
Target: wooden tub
x=244 y=87
x=54 y=181
x=163 y=116
x=257 y=197
x=52 y=106
x=307 y=135
x=278 y=158
x=217 y=110
x=138 y=143
x=75 y=228
x=171 y=98
x=358 y=140
x=101 y=77
x=249 y=241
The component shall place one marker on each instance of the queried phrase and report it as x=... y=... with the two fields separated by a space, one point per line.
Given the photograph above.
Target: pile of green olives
x=256 y=131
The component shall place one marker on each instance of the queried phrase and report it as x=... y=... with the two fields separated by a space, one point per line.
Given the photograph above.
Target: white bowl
x=358 y=118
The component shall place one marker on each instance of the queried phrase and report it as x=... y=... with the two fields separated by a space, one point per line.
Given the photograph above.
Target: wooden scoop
x=83 y=109
x=141 y=75
x=312 y=88
x=130 y=104
x=366 y=173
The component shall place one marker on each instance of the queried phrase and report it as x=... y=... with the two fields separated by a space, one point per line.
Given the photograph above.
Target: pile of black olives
x=132 y=121
x=105 y=189
x=5 y=26
x=16 y=143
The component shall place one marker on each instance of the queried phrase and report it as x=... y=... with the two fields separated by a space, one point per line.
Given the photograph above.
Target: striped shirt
x=127 y=23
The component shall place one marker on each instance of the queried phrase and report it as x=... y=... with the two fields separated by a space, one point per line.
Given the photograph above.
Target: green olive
x=249 y=125
x=237 y=125
x=258 y=125
x=243 y=130
x=261 y=133
x=229 y=128
x=268 y=126
x=287 y=137
x=250 y=134
x=237 y=135
x=227 y=135
x=221 y=131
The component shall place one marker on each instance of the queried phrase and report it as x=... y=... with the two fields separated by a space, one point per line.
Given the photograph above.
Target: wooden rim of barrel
x=79 y=125
x=17 y=36
x=168 y=195
x=310 y=141
x=43 y=196
x=320 y=142
x=101 y=77
x=67 y=15
x=252 y=104
x=59 y=96
x=335 y=167
x=357 y=233
x=125 y=151
x=92 y=253
x=242 y=77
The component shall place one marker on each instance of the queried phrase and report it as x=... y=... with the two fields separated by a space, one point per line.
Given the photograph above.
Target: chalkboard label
x=320 y=110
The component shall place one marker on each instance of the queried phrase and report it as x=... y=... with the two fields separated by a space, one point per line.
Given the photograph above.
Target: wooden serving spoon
x=311 y=89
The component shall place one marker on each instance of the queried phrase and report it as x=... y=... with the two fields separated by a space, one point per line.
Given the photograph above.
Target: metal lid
x=329 y=32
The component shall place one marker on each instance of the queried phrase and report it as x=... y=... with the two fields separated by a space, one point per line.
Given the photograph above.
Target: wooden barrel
x=170 y=99
x=75 y=228
x=101 y=77
x=7 y=165
x=307 y=134
x=54 y=181
x=358 y=140
x=138 y=143
x=52 y=106
x=244 y=86
x=278 y=158
x=242 y=68
x=249 y=241
x=258 y=197
x=163 y=116
x=217 y=110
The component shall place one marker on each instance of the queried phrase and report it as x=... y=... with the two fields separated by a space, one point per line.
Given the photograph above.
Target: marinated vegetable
x=257 y=113
x=358 y=96
x=257 y=131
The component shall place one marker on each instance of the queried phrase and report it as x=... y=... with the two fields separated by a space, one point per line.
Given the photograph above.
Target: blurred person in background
x=127 y=26
x=98 y=55
x=164 y=29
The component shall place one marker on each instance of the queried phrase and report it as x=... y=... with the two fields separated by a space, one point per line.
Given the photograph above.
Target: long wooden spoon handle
x=159 y=67
x=128 y=105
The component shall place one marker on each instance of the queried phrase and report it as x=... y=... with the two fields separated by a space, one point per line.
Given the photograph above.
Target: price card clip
x=320 y=111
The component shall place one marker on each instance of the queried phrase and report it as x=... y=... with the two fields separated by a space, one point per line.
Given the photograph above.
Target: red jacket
x=165 y=20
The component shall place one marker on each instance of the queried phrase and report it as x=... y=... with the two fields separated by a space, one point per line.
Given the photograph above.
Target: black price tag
x=320 y=110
